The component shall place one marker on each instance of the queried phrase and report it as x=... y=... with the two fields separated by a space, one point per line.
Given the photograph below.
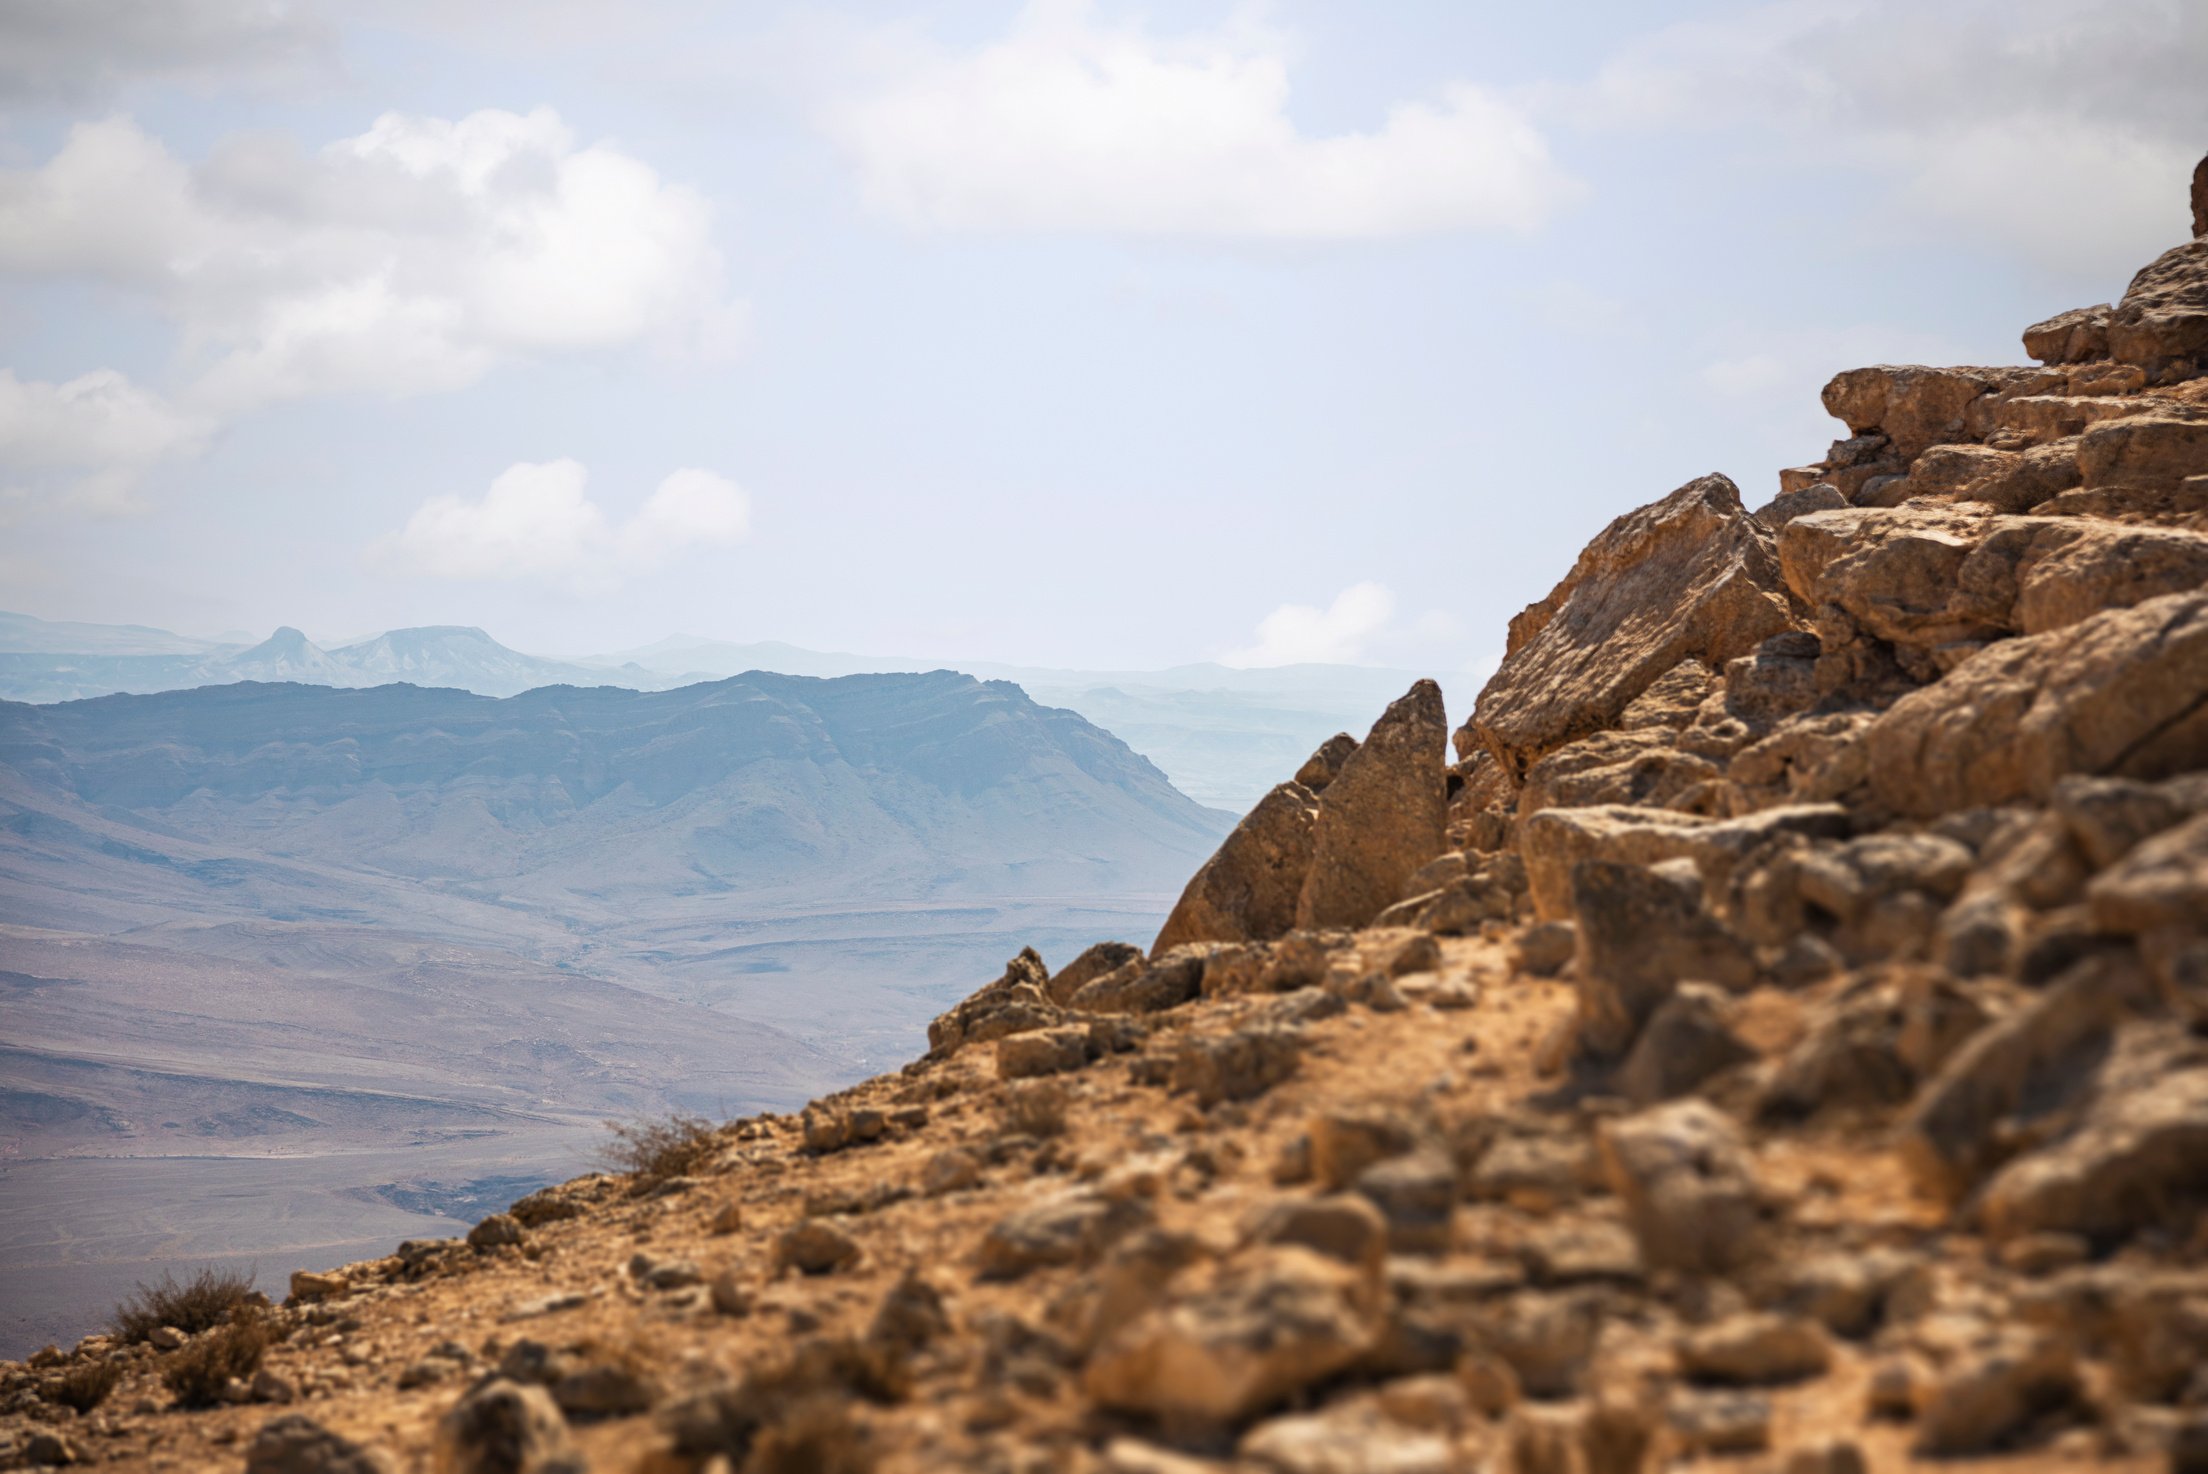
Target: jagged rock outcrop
x=1248 y=891
x=1692 y=575
x=1381 y=817
x=2123 y=693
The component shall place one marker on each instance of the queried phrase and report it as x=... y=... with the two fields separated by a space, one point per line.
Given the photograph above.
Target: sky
x=1076 y=334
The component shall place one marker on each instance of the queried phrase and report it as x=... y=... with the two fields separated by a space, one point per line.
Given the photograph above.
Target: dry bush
x=198 y=1304
x=660 y=1146
x=1036 y=1108
x=86 y=1386
x=196 y=1375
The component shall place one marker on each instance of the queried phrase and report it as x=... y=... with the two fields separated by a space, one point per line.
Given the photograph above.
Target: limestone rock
x=1272 y=1323
x=1721 y=1422
x=2108 y=817
x=504 y=1427
x=2163 y=314
x=2077 y=336
x=1240 y=1065
x=2030 y=1063
x=1381 y=818
x=1689 y=1191
x=1071 y=1227
x=2161 y=883
x=1821 y=496
x=815 y=1246
x=1248 y=890
x=1915 y=407
x=1755 y=1351
x=497 y=1231
x=297 y=1444
x=1643 y=768
x=1928 y=578
x=1546 y=1337
x=1349 y=1439
x=1691 y=575
x=2152 y=453
x=2009 y=1377
x=1018 y=1001
x=1172 y=978
x=1346 y=1142
x=2117 y=693
x=1849 y=1055
x=1686 y=1040
x=1417 y=1194
x=1043 y=1052
x=1555 y=840
x=1324 y=765
x=1093 y=963
x=2139 y=1151
x=1342 y=1226
x=1640 y=934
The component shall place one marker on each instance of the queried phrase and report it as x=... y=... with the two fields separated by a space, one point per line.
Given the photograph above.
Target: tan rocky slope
x=1779 y=1040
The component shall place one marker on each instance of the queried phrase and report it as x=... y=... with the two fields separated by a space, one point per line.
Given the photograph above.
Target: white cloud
x=1070 y=124
x=88 y=440
x=2060 y=132
x=537 y=523
x=691 y=508
x=1337 y=634
x=412 y=258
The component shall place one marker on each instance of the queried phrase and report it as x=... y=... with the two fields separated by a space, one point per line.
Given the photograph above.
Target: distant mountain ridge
x=782 y=783
x=1219 y=732
x=45 y=661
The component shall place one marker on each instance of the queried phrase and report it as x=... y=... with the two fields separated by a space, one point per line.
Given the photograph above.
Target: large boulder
x=2163 y=882
x=2139 y=1151
x=1013 y=1004
x=1247 y=891
x=2017 y=1076
x=1273 y=1322
x=2119 y=693
x=1641 y=933
x=1382 y=816
x=1688 y=1186
x=1693 y=575
x=2077 y=336
x=2161 y=323
x=1096 y=961
x=1927 y=577
x=2149 y=453
x=1553 y=841
x=1913 y=406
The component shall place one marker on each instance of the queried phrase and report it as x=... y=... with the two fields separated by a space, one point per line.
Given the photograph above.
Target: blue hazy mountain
x=1222 y=735
x=47 y=661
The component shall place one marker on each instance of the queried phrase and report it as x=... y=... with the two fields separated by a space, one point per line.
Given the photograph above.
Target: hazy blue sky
x=1102 y=335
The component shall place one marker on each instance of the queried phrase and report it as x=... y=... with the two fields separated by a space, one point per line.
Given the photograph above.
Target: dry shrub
x=198 y=1304
x=660 y=1146
x=196 y=1375
x=86 y=1386
x=1036 y=1108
